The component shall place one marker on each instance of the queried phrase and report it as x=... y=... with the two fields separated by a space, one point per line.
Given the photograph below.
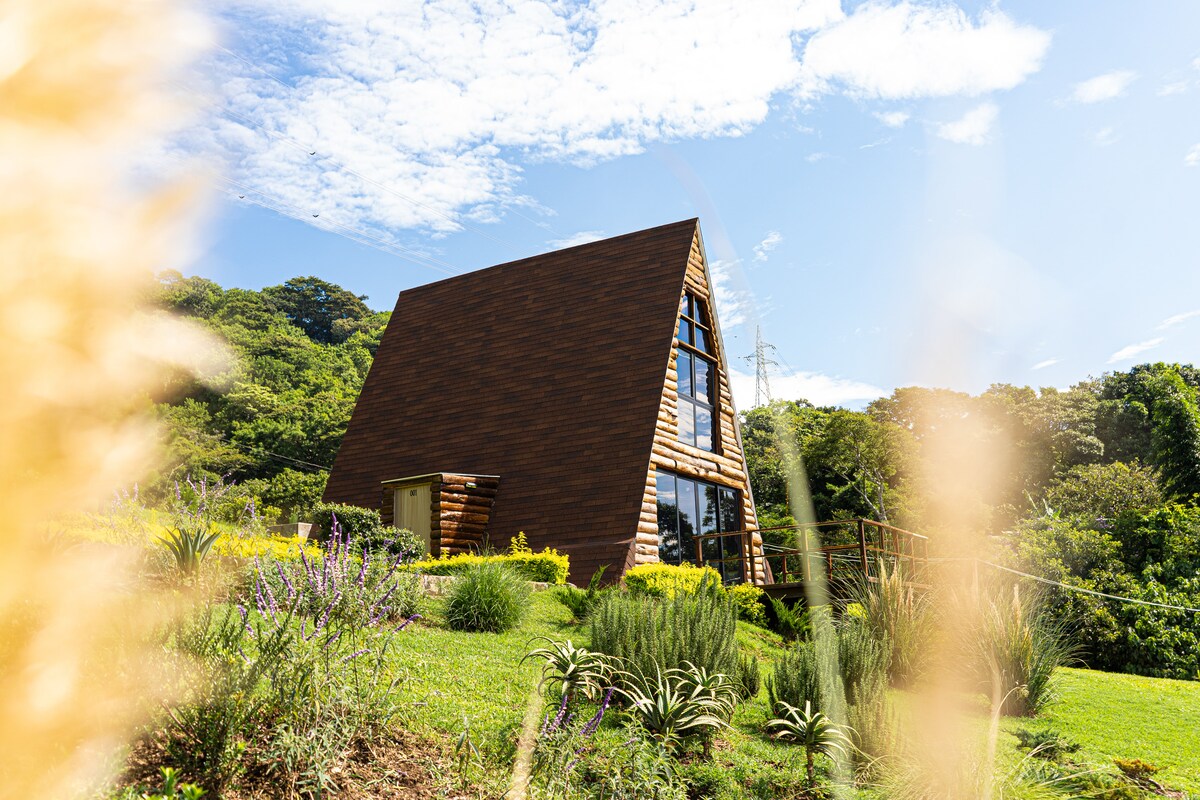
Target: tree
x=316 y=306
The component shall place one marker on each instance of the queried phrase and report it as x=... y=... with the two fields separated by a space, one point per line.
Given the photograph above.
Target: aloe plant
x=812 y=730
x=574 y=669
x=189 y=547
x=680 y=702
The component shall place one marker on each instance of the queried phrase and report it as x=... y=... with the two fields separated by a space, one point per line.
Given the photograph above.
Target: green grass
x=1127 y=716
x=478 y=676
x=452 y=675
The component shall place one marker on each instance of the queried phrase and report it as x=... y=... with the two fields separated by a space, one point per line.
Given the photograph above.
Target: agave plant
x=574 y=669
x=189 y=546
x=680 y=702
x=812 y=730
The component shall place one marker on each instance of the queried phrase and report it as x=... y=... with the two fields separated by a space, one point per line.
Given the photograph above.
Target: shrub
x=747 y=599
x=748 y=676
x=666 y=580
x=548 y=566
x=863 y=659
x=581 y=603
x=681 y=702
x=487 y=597
x=1045 y=743
x=1017 y=651
x=650 y=633
x=796 y=678
x=353 y=521
x=899 y=617
x=813 y=731
x=785 y=620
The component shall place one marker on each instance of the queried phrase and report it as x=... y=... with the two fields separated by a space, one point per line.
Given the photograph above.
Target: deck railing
x=849 y=549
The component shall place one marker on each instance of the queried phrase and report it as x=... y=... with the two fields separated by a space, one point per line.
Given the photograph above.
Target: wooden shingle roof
x=546 y=371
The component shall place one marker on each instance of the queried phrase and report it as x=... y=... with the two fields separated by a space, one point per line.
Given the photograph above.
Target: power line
x=1093 y=592
x=251 y=64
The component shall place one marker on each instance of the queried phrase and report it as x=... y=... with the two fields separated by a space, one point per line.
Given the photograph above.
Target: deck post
x=862 y=547
x=699 y=552
x=805 y=570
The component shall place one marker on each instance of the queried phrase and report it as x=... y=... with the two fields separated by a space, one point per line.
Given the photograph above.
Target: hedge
x=548 y=566
x=666 y=580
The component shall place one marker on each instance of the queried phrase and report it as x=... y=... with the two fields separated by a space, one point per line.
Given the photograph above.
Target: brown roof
x=546 y=371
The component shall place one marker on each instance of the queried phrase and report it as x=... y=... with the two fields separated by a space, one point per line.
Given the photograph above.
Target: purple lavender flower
x=355 y=654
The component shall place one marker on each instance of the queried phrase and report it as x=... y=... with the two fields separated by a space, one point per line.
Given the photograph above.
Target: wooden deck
x=841 y=552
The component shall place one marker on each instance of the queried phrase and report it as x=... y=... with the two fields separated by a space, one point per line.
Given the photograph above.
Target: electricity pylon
x=762 y=365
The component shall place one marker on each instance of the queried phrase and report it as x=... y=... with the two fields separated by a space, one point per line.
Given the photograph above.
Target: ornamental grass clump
x=1016 y=651
x=488 y=597
x=899 y=616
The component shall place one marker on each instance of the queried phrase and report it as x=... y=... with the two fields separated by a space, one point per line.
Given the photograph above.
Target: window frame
x=692 y=311
x=731 y=572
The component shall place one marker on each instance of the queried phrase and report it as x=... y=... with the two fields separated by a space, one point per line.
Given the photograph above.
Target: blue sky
x=899 y=193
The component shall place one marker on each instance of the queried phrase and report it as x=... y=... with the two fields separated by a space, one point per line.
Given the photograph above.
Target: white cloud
x=893 y=119
x=1192 y=159
x=734 y=306
x=1108 y=86
x=813 y=158
x=583 y=237
x=815 y=387
x=973 y=128
x=1174 y=87
x=1105 y=136
x=908 y=50
x=1134 y=350
x=1178 y=319
x=763 y=249
x=421 y=114
x=1049 y=362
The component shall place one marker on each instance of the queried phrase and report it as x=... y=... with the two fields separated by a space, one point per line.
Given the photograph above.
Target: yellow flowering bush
x=664 y=580
x=548 y=566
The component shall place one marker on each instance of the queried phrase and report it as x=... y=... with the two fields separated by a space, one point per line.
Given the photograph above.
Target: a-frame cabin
x=581 y=396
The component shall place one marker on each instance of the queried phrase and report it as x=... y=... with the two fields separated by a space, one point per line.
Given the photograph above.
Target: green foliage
x=582 y=602
x=748 y=600
x=667 y=580
x=796 y=678
x=321 y=309
x=680 y=702
x=899 y=618
x=190 y=547
x=1046 y=743
x=863 y=657
x=813 y=731
x=1104 y=491
x=1017 y=651
x=650 y=634
x=748 y=676
x=640 y=768
x=487 y=597
x=576 y=670
x=548 y=566
x=172 y=789
x=786 y=620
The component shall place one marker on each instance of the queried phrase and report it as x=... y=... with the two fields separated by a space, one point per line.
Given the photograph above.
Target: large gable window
x=697 y=372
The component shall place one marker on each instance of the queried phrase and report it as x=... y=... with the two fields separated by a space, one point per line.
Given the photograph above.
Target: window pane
x=701 y=342
x=709 y=516
x=686 y=492
x=685 y=331
x=683 y=369
x=668 y=518
x=685 y=305
x=704 y=428
x=687 y=421
x=698 y=312
x=730 y=516
x=703 y=389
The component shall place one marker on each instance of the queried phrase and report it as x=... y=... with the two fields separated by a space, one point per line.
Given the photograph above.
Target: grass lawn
x=452 y=677
x=1126 y=716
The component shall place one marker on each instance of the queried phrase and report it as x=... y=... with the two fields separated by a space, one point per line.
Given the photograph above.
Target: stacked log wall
x=460 y=508
x=726 y=465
